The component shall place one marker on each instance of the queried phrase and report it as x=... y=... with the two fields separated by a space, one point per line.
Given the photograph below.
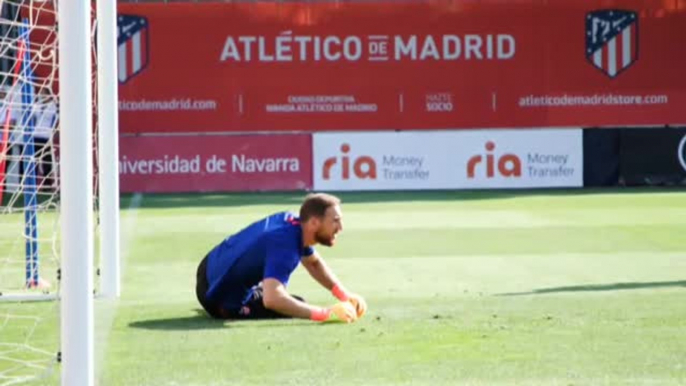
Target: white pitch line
x=106 y=309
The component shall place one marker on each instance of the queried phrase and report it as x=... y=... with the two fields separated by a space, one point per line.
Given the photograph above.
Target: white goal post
x=76 y=166
x=54 y=213
x=77 y=326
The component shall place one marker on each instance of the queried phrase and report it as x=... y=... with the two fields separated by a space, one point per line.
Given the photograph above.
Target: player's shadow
x=201 y=321
x=184 y=323
x=601 y=287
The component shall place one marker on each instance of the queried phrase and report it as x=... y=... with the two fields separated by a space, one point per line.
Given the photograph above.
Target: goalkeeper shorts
x=252 y=306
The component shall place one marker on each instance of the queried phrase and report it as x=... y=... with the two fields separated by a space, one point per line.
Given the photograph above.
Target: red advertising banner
x=160 y=164
x=400 y=65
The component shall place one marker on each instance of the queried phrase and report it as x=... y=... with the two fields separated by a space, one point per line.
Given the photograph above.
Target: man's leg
x=254 y=308
x=201 y=287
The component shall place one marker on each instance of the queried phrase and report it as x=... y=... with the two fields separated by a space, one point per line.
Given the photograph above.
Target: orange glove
x=356 y=300
x=360 y=305
x=339 y=312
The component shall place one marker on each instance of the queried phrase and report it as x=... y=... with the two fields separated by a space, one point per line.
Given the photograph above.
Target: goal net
x=30 y=269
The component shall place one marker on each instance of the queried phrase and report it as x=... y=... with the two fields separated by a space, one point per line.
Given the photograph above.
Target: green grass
x=464 y=288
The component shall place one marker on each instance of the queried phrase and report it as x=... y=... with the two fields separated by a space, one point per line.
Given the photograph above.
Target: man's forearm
x=321 y=273
x=288 y=305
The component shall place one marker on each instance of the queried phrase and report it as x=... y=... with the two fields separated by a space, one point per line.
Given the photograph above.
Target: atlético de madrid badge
x=612 y=40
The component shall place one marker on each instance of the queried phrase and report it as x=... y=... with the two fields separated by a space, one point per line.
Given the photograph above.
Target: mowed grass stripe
x=535 y=288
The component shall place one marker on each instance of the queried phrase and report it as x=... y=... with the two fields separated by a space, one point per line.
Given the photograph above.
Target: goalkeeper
x=245 y=276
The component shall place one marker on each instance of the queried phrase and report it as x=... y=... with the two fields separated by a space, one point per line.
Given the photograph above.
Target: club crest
x=612 y=40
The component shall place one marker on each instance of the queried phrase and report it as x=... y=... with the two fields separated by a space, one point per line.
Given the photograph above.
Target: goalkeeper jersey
x=269 y=248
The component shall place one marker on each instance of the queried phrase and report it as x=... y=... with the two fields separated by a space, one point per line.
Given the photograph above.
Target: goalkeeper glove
x=339 y=312
x=360 y=305
x=356 y=300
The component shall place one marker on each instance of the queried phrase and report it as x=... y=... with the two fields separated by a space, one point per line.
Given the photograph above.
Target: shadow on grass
x=295 y=198
x=201 y=321
x=601 y=287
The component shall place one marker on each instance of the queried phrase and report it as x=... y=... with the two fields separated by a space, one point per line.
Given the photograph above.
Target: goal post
x=48 y=205
x=76 y=164
x=108 y=144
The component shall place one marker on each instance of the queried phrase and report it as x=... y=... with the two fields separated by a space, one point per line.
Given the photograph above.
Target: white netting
x=29 y=178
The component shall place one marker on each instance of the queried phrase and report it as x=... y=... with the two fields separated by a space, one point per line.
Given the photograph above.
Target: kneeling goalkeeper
x=245 y=276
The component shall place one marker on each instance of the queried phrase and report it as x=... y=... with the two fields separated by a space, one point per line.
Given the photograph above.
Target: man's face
x=329 y=226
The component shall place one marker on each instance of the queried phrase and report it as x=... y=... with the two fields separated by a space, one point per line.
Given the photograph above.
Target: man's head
x=321 y=215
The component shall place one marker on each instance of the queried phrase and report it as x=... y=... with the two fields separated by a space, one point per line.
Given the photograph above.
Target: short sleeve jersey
x=269 y=248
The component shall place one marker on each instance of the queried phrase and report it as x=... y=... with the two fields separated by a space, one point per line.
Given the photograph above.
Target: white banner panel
x=448 y=160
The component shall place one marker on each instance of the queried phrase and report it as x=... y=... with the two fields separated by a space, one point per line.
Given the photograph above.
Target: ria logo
x=132 y=46
x=507 y=165
x=612 y=40
x=363 y=167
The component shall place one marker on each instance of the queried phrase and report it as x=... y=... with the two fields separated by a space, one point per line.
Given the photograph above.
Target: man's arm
x=276 y=298
x=319 y=270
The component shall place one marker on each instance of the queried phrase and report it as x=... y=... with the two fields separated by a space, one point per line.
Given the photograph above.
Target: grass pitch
x=464 y=288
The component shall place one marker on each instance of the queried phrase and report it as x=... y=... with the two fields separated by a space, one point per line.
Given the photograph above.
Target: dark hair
x=316 y=204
